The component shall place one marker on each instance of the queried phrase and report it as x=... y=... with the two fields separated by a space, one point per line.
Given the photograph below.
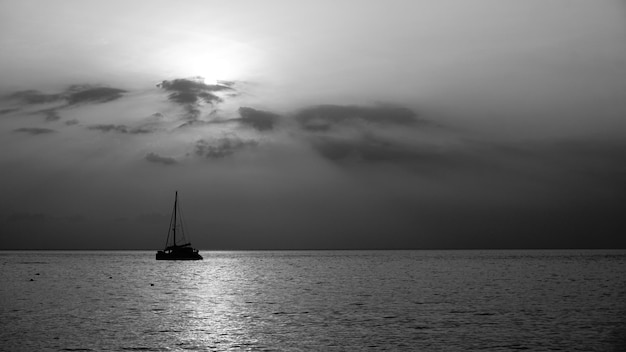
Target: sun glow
x=214 y=69
x=214 y=61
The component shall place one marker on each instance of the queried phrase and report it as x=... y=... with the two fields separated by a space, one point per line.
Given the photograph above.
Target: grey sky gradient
x=350 y=124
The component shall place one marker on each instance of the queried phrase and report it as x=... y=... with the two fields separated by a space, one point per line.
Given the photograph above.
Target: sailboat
x=173 y=250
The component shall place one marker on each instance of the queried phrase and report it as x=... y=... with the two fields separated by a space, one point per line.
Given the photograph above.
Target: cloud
x=32 y=96
x=8 y=111
x=257 y=119
x=226 y=83
x=156 y=158
x=52 y=115
x=367 y=148
x=77 y=94
x=222 y=147
x=34 y=130
x=192 y=91
x=383 y=133
x=74 y=94
x=326 y=117
x=119 y=129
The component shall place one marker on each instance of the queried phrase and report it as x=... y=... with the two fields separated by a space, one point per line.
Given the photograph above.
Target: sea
x=457 y=300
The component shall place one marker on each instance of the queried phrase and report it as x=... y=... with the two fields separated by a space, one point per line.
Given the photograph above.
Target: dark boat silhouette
x=173 y=250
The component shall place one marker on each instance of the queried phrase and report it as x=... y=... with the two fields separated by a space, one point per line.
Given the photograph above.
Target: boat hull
x=173 y=255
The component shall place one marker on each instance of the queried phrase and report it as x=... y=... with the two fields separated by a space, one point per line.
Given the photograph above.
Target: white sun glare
x=215 y=60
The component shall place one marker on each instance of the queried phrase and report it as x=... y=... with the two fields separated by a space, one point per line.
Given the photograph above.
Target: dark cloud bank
x=192 y=94
x=192 y=91
x=257 y=119
x=120 y=129
x=222 y=147
x=74 y=94
x=35 y=130
x=156 y=158
x=325 y=117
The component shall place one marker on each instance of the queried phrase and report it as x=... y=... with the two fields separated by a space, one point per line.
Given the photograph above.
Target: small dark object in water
x=32 y=280
x=151 y=284
x=37 y=274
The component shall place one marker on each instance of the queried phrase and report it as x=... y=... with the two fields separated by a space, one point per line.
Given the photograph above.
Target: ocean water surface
x=537 y=300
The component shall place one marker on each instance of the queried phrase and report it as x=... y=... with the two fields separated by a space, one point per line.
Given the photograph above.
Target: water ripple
x=326 y=300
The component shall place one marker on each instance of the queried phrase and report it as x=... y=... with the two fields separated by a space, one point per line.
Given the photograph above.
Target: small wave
x=484 y=313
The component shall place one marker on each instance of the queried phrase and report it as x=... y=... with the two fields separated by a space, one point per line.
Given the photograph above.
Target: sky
x=317 y=125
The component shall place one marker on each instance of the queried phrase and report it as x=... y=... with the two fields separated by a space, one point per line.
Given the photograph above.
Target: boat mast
x=174 y=226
